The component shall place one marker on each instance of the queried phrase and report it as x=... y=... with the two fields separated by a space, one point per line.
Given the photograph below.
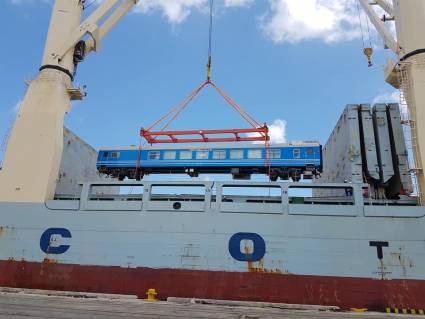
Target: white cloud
x=293 y=21
x=237 y=3
x=277 y=132
x=285 y=21
x=176 y=11
x=387 y=97
x=392 y=97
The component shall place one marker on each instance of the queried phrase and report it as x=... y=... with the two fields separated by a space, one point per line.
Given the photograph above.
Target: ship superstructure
x=279 y=242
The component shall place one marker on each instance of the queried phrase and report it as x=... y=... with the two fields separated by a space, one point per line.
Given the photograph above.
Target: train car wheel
x=284 y=175
x=296 y=177
x=274 y=175
x=139 y=175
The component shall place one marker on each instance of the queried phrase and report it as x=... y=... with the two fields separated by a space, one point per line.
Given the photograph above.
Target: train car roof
x=209 y=147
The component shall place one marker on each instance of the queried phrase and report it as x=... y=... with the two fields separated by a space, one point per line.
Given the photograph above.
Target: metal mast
x=33 y=156
x=408 y=72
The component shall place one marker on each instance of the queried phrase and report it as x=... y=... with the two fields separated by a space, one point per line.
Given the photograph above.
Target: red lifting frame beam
x=171 y=136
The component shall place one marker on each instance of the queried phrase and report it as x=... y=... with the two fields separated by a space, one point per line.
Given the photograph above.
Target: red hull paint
x=343 y=292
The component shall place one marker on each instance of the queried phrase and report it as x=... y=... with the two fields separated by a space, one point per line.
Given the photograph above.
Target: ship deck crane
x=408 y=72
x=38 y=130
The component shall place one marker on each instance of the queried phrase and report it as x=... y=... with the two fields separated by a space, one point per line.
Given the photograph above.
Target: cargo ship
x=353 y=238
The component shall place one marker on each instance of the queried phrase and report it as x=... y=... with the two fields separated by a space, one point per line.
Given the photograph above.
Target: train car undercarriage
x=238 y=173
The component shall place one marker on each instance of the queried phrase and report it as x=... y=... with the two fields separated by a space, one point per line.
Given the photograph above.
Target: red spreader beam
x=167 y=137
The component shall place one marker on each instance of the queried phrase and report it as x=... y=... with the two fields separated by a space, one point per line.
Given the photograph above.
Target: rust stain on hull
x=4 y=230
x=251 y=286
x=50 y=261
x=258 y=267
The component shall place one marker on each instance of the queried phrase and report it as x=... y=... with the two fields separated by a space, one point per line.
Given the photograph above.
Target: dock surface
x=34 y=305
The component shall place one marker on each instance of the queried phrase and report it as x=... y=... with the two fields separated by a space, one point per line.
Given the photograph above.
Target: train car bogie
x=296 y=175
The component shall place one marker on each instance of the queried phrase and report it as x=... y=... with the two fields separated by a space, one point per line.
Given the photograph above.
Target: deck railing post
x=208 y=196
x=358 y=198
x=285 y=198
x=85 y=193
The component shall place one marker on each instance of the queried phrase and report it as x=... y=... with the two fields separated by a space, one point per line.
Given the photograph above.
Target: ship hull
x=250 y=286
x=347 y=256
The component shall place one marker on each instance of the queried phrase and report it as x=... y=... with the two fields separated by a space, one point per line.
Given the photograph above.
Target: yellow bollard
x=359 y=309
x=151 y=293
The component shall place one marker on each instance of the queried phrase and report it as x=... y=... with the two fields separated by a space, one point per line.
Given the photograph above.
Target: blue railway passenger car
x=286 y=161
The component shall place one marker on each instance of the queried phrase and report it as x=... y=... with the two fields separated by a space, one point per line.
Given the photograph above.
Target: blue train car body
x=285 y=160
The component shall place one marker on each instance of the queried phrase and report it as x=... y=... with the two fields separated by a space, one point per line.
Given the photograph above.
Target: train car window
x=252 y=154
x=115 y=154
x=236 y=154
x=170 y=155
x=185 y=155
x=154 y=155
x=273 y=153
x=219 y=155
x=310 y=151
x=296 y=153
x=202 y=154
x=105 y=154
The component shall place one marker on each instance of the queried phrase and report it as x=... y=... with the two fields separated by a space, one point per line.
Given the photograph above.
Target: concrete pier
x=20 y=304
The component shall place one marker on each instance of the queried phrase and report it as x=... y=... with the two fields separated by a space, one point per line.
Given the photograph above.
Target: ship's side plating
x=238 y=246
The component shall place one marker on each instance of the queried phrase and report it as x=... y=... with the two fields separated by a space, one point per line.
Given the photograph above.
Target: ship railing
x=289 y=198
x=152 y=196
x=319 y=199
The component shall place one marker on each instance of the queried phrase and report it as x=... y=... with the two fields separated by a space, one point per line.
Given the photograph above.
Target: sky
x=293 y=64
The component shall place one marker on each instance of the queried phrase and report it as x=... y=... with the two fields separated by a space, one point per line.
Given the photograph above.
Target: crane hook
x=368 y=53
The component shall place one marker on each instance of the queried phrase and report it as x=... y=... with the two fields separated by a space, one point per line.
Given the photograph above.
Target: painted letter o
x=235 y=247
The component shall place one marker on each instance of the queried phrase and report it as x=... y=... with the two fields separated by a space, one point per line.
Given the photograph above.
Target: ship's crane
x=379 y=24
x=37 y=136
x=59 y=51
x=408 y=72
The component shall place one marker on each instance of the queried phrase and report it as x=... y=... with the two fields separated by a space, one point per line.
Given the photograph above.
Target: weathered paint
x=302 y=253
x=78 y=164
x=321 y=290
